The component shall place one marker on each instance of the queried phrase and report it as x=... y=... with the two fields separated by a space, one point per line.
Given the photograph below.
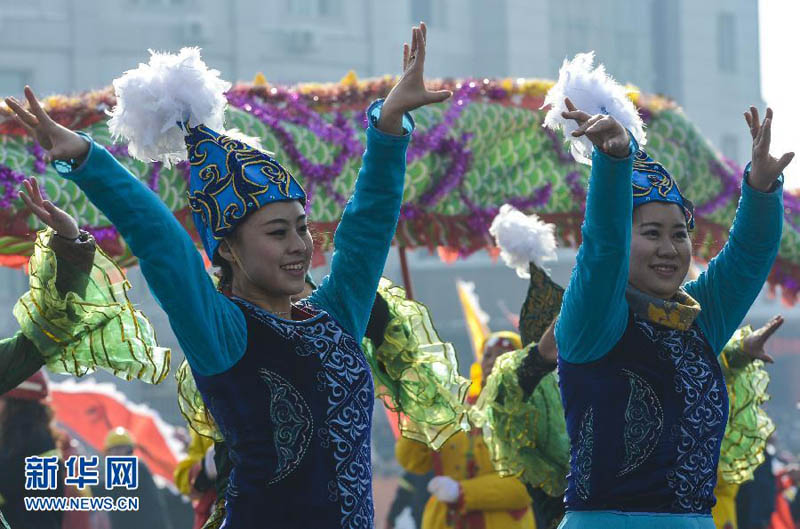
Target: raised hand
x=410 y=92
x=62 y=222
x=60 y=142
x=765 y=168
x=755 y=344
x=603 y=131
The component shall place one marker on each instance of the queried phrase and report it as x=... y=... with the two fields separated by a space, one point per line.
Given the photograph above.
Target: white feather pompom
x=155 y=97
x=594 y=92
x=523 y=239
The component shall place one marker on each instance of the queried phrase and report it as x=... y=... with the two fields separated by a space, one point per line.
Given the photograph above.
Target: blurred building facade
x=703 y=54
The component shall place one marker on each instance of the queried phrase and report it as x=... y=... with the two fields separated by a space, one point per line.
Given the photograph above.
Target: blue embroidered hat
x=230 y=179
x=652 y=183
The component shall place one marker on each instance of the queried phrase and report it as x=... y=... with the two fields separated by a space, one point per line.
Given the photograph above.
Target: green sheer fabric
x=416 y=372
x=749 y=427
x=99 y=330
x=192 y=406
x=217 y=515
x=527 y=438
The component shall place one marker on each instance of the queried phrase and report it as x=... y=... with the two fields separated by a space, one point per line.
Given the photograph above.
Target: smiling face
x=270 y=252
x=661 y=249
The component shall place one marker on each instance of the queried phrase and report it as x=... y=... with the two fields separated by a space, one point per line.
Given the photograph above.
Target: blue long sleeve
x=366 y=230
x=210 y=328
x=734 y=278
x=594 y=311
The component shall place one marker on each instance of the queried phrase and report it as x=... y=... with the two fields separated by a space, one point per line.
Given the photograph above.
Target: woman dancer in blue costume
x=286 y=383
x=644 y=396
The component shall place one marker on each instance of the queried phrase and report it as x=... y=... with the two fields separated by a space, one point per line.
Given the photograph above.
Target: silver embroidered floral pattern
x=583 y=455
x=644 y=422
x=699 y=431
x=292 y=422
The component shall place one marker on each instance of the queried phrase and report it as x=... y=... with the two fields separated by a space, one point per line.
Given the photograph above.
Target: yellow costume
x=487 y=500
x=724 y=512
x=748 y=428
x=198 y=446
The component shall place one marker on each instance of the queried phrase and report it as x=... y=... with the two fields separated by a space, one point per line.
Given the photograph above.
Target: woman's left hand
x=409 y=92
x=62 y=222
x=754 y=345
x=765 y=168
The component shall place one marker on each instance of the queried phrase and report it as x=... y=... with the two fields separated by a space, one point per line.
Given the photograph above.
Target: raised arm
x=365 y=232
x=74 y=251
x=594 y=311
x=734 y=278
x=209 y=327
x=367 y=227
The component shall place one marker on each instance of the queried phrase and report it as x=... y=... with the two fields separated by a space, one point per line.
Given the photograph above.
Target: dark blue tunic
x=645 y=422
x=296 y=412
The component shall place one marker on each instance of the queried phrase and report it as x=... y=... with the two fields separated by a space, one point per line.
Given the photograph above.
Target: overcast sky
x=779 y=27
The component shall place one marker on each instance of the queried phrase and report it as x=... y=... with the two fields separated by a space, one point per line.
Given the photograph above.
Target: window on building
x=14 y=7
x=730 y=147
x=12 y=82
x=329 y=8
x=155 y=4
x=726 y=42
x=299 y=7
x=314 y=8
x=422 y=11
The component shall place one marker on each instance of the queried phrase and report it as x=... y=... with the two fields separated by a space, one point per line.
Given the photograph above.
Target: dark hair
x=23 y=420
x=378 y=320
x=225 y=272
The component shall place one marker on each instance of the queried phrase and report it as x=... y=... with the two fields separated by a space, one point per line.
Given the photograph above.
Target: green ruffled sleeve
x=192 y=406
x=749 y=427
x=525 y=437
x=416 y=372
x=78 y=333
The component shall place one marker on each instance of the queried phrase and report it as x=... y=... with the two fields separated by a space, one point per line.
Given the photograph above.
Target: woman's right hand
x=755 y=345
x=60 y=142
x=605 y=132
x=62 y=222
x=410 y=92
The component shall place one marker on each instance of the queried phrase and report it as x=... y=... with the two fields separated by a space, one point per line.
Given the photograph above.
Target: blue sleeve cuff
x=67 y=169
x=751 y=191
x=374 y=114
x=597 y=154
